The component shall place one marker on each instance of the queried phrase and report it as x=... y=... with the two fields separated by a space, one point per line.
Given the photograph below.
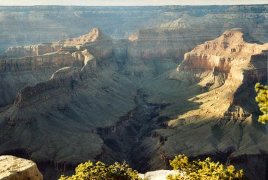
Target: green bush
x=100 y=171
x=202 y=170
x=262 y=100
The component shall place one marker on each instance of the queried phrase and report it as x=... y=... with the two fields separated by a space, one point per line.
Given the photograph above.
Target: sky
x=126 y=2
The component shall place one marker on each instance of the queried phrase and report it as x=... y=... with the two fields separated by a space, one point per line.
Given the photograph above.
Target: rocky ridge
x=222 y=66
x=224 y=113
x=36 y=66
x=172 y=39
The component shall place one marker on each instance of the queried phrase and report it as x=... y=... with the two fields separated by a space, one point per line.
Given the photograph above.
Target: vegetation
x=262 y=100
x=202 y=170
x=100 y=171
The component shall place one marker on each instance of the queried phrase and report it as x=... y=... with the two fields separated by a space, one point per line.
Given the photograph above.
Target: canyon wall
x=32 y=50
x=173 y=39
x=98 y=98
x=39 y=64
x=222 y=74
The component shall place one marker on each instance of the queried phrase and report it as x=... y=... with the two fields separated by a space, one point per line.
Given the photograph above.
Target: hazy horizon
x=127 y=2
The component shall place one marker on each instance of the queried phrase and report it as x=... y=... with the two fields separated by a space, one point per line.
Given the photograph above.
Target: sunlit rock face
x=222 y=66
x=229 y=54
x=226 y=70
x=99 y=44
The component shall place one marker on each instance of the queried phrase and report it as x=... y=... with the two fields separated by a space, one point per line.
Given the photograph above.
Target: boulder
x=14 y=168
x=158 y=175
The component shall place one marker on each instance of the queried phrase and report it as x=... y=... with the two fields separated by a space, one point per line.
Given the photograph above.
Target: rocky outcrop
x=70 y=89
x=14 y=168
x=95 y=42
x=35 y=63
x=222 y=74
x=94 y=35
x=32 y=50
x=65 y=78
x=174 y=38
x=158 y=175
x=40 y=91
x=160 y=43
x=17 y=73
x=46 y=59
x=228 y=56
x=50 y=24
x=221 y=67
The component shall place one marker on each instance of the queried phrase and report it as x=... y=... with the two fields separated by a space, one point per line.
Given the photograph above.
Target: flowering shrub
x=100 y=171
x=202 y=170
x=262 y=100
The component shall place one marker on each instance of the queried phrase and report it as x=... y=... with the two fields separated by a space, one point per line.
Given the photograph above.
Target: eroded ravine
x=123 y=140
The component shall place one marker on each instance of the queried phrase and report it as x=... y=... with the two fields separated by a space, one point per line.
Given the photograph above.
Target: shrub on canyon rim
x=101 y=171
x=202 y=170
x=262 y=100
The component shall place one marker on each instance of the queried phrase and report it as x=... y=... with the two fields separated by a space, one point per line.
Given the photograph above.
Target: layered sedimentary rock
x=32 y=50
x=35 y=63
x=228 y=56
x=38 y=62
x=221 y=67
x=161 y=43
x=85 y=91
x=99 y=44
x=93 y=36
x=32 y=25
x=13 y=168
x=104 y=99
x=172 y=39
x=95 y=41
x=222 y=120
x=64 y=78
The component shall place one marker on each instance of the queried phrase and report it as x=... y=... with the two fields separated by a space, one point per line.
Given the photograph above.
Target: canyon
x=181 y=83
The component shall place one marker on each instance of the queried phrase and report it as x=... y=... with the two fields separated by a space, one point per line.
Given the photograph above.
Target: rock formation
x=157 y=175
x=13 y=168
x=97 y=98
x=222 y=66
x=95 y=41
x=34 y=50
x=172 y=39
x=223 y=112
x=32 y=60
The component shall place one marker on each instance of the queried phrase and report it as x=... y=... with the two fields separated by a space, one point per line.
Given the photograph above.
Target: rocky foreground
x=93 y=97
x=14 y=168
